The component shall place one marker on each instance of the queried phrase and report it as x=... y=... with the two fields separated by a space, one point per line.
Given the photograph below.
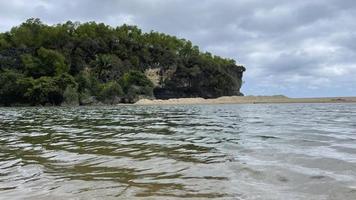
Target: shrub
x=110 y=93
x=50 y=90
x=10 y=90
x=70 y=96
x=136 y=84
x=45 y=91
x=135 y=78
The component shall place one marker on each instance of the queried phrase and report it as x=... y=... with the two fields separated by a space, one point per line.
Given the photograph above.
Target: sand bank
x=247 y=100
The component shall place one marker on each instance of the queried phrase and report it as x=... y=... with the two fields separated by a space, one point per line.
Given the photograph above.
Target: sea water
x=276 y=151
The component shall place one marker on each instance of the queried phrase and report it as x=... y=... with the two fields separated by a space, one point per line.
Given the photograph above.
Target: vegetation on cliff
x=75 y=63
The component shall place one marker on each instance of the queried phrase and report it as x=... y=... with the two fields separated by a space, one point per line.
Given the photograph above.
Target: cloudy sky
x=297 y=48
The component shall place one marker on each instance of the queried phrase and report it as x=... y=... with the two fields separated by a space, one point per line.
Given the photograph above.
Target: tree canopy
x=43 y=64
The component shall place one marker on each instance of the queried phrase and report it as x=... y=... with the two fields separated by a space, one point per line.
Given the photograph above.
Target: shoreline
x=279 y=99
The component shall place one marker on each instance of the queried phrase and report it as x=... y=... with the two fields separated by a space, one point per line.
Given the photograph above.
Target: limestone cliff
x=173 y=83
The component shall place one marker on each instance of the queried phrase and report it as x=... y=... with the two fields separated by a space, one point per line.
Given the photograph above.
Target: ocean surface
x=277 y=151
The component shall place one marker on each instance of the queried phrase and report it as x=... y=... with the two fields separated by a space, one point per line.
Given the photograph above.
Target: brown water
x=296 y=151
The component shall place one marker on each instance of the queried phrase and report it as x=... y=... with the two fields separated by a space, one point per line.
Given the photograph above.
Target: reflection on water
x=299 y=151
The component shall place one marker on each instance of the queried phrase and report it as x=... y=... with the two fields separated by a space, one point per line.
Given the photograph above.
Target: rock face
x=175 y=83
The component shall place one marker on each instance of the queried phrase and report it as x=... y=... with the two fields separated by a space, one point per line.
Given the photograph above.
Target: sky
x=304 y=48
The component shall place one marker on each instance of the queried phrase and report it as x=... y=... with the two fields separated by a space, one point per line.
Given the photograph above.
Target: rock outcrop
x=172 y=83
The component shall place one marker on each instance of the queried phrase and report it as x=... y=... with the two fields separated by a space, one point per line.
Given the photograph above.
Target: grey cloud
x=297 y=48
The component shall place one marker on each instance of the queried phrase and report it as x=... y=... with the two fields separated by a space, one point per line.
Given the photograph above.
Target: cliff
x=206 y=84
x=75 y=63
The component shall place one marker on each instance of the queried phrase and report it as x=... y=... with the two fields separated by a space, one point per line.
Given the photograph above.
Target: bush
x=46 y=63
x=12 y=87
x=83 y=81
x=135 y=78
x=71 y=96
x=65 y=80
x=50 y=90
x=45 y=91
x=136 y=84
x=111 y=93
x=85 y=98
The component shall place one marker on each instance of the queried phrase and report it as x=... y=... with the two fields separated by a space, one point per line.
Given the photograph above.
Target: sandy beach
x=247 y=100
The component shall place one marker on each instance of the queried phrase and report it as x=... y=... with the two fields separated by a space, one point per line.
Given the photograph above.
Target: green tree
x=111 y=93
x=50 y=90
x=45 y=91
x=46 y=63
x=53 y=59
x=135 y=78
x=12 y=87
x=4 y=44
x=136 y=84
x=41 y=60
x=108 y=67
x=29 y=34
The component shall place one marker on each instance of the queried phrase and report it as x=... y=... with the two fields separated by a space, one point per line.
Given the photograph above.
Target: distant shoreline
x=246 y=100
x=277 y=99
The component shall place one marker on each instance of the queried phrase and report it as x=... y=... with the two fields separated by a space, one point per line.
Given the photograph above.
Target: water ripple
x=299 y=151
